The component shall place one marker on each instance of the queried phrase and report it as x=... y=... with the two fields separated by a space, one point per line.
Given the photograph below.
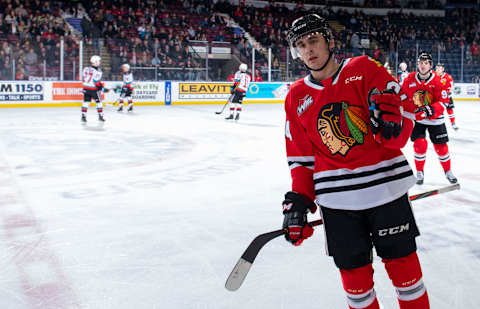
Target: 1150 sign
x=21 y=92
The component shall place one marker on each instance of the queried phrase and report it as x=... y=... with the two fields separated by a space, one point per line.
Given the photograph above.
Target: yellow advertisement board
x=204 y=90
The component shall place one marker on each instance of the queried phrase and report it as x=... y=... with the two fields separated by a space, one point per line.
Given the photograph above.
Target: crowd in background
x=30 y=34
x=162 y=34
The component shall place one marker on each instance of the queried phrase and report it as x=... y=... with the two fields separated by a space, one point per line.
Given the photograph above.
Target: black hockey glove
x=450 y=104
x=232 y=89
x=385 y=113
x=295 y=209
x=424 y=112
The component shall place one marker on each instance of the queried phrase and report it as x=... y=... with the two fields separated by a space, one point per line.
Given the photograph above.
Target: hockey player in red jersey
x=447 y=82
x=427 y=98
x=344 y=131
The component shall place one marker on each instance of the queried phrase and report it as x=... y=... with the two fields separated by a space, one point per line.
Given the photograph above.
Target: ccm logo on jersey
x=394 y=230
x=352 y=79
x=412 y=85
x=305 y=103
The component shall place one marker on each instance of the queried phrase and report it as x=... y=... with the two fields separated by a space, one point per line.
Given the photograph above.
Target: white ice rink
x=152 y=210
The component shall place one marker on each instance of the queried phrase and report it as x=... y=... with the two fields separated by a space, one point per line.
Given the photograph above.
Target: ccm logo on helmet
x=394 y=230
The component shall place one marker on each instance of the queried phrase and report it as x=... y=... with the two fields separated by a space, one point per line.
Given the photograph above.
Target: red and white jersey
x=447 y=82
x=425 y=92
x=91 y=78
x=128 y=80
x=331 y=151
x=241 y=81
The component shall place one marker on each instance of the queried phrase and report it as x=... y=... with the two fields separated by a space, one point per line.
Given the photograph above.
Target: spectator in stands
x=475 y=52
x=258 y=76
x=220 y=37
x=166 y=20
x=97 y=40
x=186 y=52
x=86 y=27
x=156 y=61
x=42 y=57
x=20 y=74
x=31 y=57
x=355 y=43
x=218 y=74
x=6 y=48
x=3 y=26
x=142 y=30
x=6 y=68
x=188 y=6
x=20 y=11
x=109 y=32
x=235 y=40
x=377 y=53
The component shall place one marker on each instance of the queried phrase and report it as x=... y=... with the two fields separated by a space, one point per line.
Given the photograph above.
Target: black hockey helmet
x=440 y=64
x=311 y=23
x=425 y=57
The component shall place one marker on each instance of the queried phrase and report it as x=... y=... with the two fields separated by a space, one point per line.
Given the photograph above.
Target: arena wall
x=69 y=93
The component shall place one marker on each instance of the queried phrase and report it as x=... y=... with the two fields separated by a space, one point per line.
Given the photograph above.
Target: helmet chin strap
x=323 y=66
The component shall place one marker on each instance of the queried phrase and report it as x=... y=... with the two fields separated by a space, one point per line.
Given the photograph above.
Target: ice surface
x=153 y=210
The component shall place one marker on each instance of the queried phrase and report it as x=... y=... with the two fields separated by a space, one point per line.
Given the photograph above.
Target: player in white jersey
x=239 y=90
x=127 y=88
x=92 y=85
x=403 y=73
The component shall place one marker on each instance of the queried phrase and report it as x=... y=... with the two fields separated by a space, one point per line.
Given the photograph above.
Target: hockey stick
x=434 y=192
x=241 y=269
x=243 y=265
x=225 y=105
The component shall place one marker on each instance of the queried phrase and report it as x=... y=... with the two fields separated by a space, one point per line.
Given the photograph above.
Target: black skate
x=84 y=119
x=237 y=117
x=130 y=108
x=229 y=117
x=100 y=118
x=450 y=177
x=420 y=178
x=120 y=109
x=454 y=126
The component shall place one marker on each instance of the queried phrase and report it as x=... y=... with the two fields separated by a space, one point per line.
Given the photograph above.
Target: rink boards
x=69 y=93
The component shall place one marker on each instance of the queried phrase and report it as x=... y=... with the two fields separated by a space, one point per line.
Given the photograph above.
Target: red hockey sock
x=406 y=276
x=358 y=284
x=443 y=155
x=420 y=153
x=451 y=115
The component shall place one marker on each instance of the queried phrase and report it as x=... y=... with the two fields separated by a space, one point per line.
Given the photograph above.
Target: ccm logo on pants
x=393 y=230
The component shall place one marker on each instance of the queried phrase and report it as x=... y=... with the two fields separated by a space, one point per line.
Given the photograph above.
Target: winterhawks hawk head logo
x=422 y=98
x=342 y=126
